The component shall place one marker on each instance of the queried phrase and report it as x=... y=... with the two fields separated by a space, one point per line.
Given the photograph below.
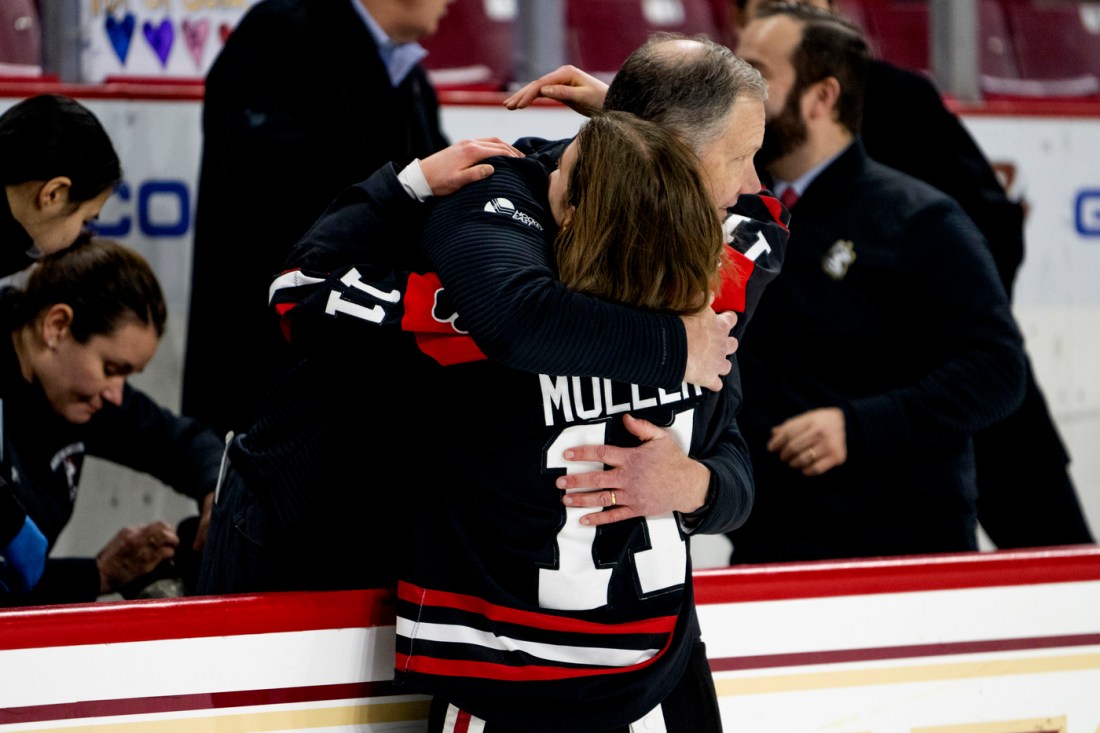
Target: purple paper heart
x=120 y=32
x=160 y=38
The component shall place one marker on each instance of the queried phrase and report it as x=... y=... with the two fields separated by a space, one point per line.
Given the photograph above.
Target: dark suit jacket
x=298 y=106
x=906 y=126
x=888 y=306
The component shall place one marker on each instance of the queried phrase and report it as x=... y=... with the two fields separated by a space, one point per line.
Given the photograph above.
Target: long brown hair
x=643 y=230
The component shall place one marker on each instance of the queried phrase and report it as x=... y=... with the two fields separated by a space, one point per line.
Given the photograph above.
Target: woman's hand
x=133 y=552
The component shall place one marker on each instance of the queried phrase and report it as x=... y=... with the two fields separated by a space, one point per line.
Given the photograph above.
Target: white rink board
x=995 y=643
x=905 y=694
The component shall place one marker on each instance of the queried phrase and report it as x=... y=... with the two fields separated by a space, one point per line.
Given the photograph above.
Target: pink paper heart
x=194 y=35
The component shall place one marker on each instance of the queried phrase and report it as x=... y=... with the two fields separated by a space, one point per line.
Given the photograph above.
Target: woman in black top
x=86 y=319
x=57 y=168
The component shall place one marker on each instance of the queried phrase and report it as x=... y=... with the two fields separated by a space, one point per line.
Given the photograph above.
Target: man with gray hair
x=714 y=101
x=700 y=90
x=697 y=88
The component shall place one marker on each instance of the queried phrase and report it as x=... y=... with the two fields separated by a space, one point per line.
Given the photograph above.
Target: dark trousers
x=1026 y=497
x=236 y=558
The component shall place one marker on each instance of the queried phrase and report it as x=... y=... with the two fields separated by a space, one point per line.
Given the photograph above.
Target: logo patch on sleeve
x=505 y=207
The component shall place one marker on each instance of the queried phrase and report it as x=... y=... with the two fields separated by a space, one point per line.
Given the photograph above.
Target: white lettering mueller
x=572 y=399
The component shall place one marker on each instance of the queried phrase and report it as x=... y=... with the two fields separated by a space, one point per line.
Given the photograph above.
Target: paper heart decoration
x=120 y=32
x=160 y=38
x=223 y=31
x=194 y=35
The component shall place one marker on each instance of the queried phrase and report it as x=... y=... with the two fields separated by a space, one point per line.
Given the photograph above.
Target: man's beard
x=784 y=134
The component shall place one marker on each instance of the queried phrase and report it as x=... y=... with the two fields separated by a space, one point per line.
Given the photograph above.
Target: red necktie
x=789 y=197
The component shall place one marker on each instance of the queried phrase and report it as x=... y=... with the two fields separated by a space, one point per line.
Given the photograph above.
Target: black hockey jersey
x=507 y=604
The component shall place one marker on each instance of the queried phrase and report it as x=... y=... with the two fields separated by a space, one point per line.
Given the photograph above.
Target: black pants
x=1026 y=497
x=691 y=707
x=237 y=558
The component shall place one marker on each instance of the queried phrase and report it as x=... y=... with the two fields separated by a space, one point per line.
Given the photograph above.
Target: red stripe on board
x=232 y=615
x=137 y=91
x=128 y=621
x=896 y=575
x=158 y=89
x=548 y=622
x=837 y=656
x=202 y=701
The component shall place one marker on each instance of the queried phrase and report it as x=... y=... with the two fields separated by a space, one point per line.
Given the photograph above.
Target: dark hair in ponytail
x=104 y=283
x=49 y=135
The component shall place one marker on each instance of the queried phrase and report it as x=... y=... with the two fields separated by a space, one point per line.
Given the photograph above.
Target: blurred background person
x=907 y=126
x=86 y=319
x=306 y=98
x=860 y=429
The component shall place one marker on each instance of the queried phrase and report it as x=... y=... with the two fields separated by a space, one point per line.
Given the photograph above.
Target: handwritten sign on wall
x=150 y=39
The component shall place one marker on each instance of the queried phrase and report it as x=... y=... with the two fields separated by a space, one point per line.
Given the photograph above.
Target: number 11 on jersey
x=577 y=584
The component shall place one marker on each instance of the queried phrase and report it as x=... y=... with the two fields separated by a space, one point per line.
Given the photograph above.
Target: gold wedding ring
x=612 y=497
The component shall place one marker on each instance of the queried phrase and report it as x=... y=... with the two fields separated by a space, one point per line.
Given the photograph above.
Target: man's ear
x=54 y=193
x=824 y=96
x=56 y=324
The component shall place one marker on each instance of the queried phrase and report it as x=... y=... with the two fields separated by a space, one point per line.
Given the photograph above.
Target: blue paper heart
x=160 y=38
x=120 y=32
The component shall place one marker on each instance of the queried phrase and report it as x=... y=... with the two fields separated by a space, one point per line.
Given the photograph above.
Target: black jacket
x=906 y=126
x=14 y=244
x=888 y=307
x=298 y=106
x=43 y=455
